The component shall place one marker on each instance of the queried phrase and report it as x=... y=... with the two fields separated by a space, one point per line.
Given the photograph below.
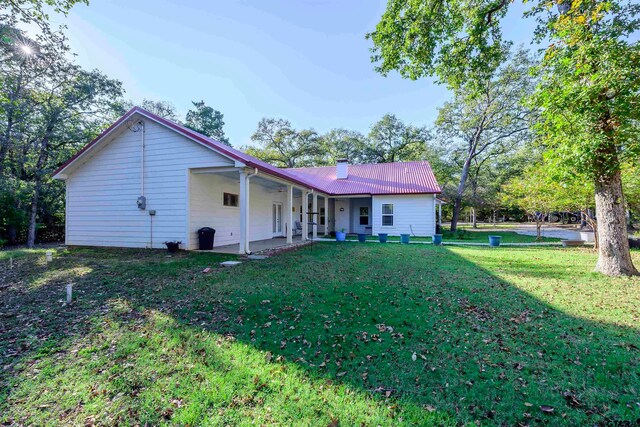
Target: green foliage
x=484 y=127
x=458 y=41
x=588 y=91
x=50 y=108
x=532 y=192
x=34 y=12
x=280 y=144
x=163 y=109
x=206 y=121
x=342 y=144
x=390 y=140
x=631 y=185
x=589 y=95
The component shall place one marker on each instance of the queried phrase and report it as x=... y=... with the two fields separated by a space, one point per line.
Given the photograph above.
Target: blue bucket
x=362 y=237
x=404 y=238
x=437 y=239
x=341 y=236
x=383 y=237
x=494 y=241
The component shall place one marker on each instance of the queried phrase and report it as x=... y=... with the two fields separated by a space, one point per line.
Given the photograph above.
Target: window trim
x=386 y=215
x=224 y=200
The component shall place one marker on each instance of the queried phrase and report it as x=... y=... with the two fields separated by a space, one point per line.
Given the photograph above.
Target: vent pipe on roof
x=342 y=169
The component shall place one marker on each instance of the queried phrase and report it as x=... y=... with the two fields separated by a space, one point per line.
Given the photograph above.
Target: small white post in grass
x=10 y=263
x=69 y=292
x=49 y=255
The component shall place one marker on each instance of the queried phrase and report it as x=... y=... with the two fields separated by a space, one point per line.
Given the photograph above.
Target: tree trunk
x=473 y=218
x=538 y=230
x=458 y=199
x=33 y=214
x=614 y=257
x=35 y=198
x=590 y=222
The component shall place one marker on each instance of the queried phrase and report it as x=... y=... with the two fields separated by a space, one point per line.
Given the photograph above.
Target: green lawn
x=469 y=235
x=343 y=334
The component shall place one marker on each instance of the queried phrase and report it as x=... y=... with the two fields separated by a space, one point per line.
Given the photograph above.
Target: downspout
x=142 y=158
x=248 y=178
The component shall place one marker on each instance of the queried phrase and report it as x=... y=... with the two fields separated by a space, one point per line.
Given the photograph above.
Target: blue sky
x=303 y=60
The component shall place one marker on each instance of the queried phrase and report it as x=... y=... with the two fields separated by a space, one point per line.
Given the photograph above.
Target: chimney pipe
x=342 y=169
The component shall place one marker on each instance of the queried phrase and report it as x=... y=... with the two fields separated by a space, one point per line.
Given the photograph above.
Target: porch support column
x=244 y=212
x=289 y=216
x=305 y=216
x=440 y=214
x=326 y=216
x=315 y=217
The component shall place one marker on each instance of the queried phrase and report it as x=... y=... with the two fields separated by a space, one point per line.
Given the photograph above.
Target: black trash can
x=205 y=238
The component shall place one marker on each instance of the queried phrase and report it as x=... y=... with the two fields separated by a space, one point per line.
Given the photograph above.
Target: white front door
x=277 y=219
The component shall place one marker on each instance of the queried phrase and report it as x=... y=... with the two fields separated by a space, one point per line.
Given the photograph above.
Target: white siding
x=410 y=212
x=103 y=189
x=207 y=209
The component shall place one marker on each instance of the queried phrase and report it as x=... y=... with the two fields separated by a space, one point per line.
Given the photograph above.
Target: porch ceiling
x=261 y=180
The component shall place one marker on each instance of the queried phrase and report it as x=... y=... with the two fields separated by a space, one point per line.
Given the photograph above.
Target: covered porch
x=253 y=211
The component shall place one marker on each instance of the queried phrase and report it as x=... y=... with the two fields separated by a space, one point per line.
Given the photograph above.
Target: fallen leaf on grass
x=571 y=399
x=547 y=409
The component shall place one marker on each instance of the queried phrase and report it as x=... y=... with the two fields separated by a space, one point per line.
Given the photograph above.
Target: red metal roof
x=380 y=178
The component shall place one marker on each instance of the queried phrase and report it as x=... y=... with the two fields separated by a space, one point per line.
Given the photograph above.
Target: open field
x=343 y=334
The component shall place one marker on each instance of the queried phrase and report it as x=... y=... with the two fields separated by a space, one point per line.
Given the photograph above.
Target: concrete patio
x=259 y=246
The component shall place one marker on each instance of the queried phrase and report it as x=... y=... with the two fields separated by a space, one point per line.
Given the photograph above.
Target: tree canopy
x=207 y=121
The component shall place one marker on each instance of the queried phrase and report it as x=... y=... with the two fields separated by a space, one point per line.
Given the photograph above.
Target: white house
x=146 y=180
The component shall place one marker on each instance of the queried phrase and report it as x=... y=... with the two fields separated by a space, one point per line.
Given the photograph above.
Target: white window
x=387 y=215
x=229 y=199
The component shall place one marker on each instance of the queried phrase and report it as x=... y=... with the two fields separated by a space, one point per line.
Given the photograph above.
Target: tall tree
x=164 y=109
x=590 y=92
x=281 y=145
x=480 y=124
x=341 y=144
x=68 y=103
x=207 y=121
x=391 y=140
x=50 y=107
x=589 y=88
